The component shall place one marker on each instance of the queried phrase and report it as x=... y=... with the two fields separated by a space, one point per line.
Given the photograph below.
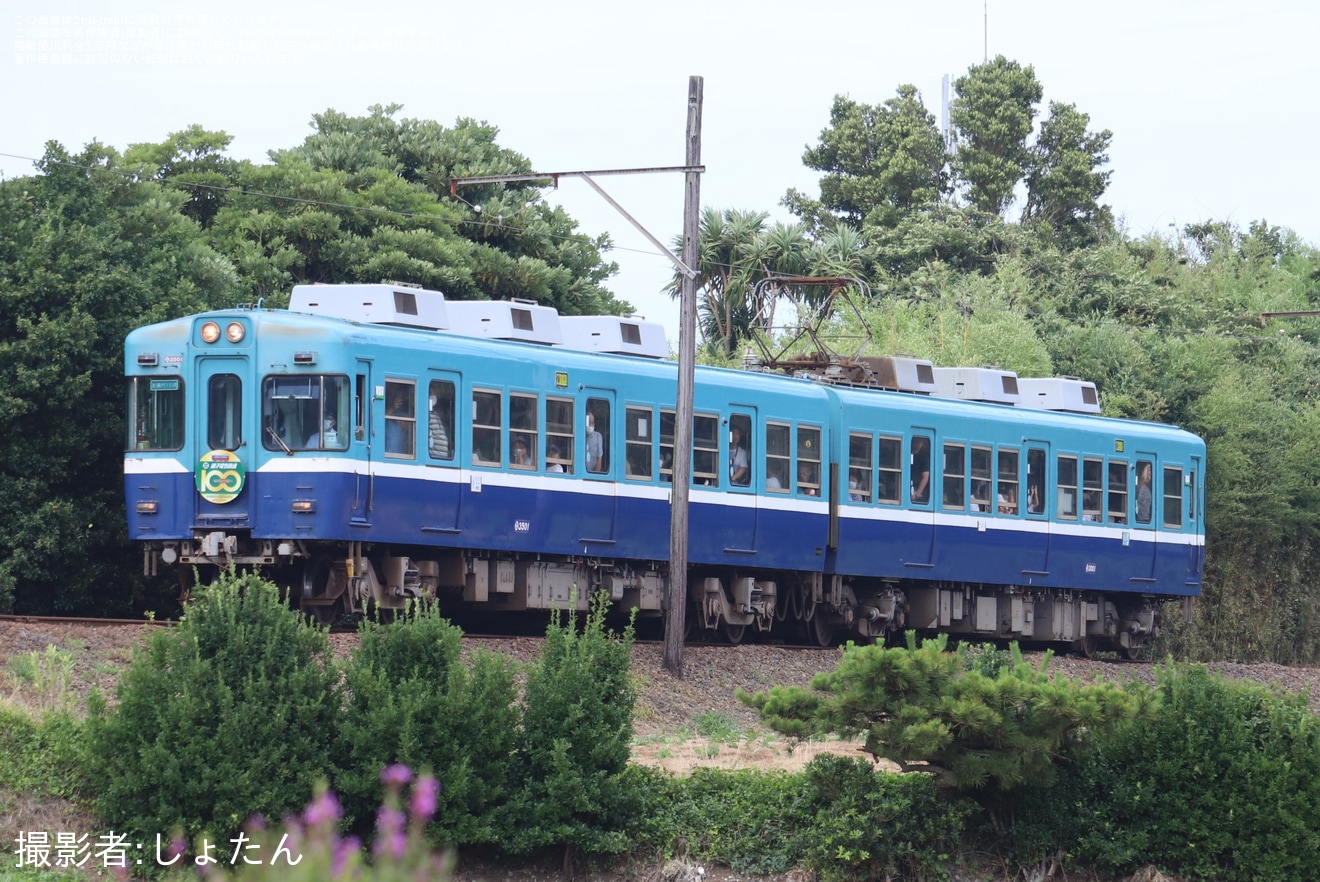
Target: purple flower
x=396 y=775
x=424 y=797
x=256 y=822
x=323 y=810
x=389 y=821
x=343 y=851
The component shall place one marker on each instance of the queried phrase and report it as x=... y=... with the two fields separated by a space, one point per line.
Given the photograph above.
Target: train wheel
x=821 y=631
x=734 y=633
x=316 y=584
x=1088 y=646
x=1132 y=653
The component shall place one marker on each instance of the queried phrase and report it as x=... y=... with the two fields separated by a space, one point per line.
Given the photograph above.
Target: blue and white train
x=375 y=443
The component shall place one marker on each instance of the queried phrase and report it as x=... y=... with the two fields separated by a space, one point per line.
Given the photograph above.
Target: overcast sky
x=1212 y=104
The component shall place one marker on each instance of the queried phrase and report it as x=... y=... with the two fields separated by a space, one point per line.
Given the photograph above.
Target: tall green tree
x=993 y=114
x=1064 y=177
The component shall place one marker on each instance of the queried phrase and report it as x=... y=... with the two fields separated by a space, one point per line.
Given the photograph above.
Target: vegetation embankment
x=1204 y=778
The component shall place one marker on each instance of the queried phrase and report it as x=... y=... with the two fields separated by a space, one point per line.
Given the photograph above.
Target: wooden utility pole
x=676 y=615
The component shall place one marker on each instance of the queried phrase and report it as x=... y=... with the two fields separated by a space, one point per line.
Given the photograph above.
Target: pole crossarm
x=553 y=178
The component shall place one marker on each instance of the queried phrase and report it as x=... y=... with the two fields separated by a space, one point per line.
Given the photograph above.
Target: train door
x=1033 y=537
x=739 y=518
x=919 y=550
x=601 y=446
x=439 y=432
x=1195 y=550
x=1145 y=512
x=222 y=432
x=363 y=466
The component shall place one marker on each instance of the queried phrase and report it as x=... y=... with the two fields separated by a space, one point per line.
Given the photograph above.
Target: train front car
x=1006 y=522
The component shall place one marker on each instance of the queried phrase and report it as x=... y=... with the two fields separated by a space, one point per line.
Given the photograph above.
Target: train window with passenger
x=1145 y=501
x=955 y=477
x=440 y=420
x=891 y=470
x=637 y=426
x=524 y=431
x=1035 y=481
x=487 y=427
x=598 y=435
x=1006 y=500
x=1093 y=476
x=224 y=412
x=1173 y=484
x=667 y=446
x=919 y=473
x=1118 y=492
x=859 y=467
x=740 y=450
x=808 y=460
x=307 y=412
x=155 y=413
x=981 y=479
x=1067 y=488
x=778 y=457
x=400 y=419
x=559 y=436
x=706 y=451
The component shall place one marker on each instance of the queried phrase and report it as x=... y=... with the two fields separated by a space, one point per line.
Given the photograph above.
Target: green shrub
x=42 y=756
x=571 y=786
x=746 y=818
x=230 y=714
x=412 y=700
x=1223 y=783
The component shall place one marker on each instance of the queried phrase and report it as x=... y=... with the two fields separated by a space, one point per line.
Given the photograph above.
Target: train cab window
x=155 y=413
x=487 y=427
x=955 y=477
x=1067 y=488
x=639 y=438
x=1035 y=481
x=524 y=432
x=400 y=419
x=224 y=412
x=1093 y=476
x=667 y=446
x=1006 y=500
x=919 y=470
x=559 y=436
x=778 y=458
x=740 y=450
x=859 y=468
x=597 y=439
x=1118 y=492
x=1173 y=484
x=808 y=459
x=981 y=479
x=1145 y=501
x=891 y=471
x=706 y=451
x=309 y=412
x=440 y=420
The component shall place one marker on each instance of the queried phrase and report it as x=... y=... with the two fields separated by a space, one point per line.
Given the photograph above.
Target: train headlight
x=234 y=332
x=210 y=332
x=146 y=507
x=303 y=506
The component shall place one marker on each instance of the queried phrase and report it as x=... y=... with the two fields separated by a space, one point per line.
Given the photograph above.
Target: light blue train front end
x=376 y=443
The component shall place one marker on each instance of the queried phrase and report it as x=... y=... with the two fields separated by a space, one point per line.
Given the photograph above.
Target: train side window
x=400 y=419
x=559 y=436
x=598 y=436
x=1006 y=501
x=638 y=437
x=1093 y=477
x=706 y=451
x=524 y=435
x=1068 y=488
x=155 y=411
x=667 y=446
x=919 y=474
x=487 y=427
x=1191 y=497
x=360 y=408
x=891 y=470
x=1035 y=481
x=224 y=412
x=778 y=457
x=1118 y=492
x=808 y=459
x=859 y=467
x=981 y=479
x=740 y=450
x=1144 y=502
x=1173 y=490
x=955 y=477
x=440 y=420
